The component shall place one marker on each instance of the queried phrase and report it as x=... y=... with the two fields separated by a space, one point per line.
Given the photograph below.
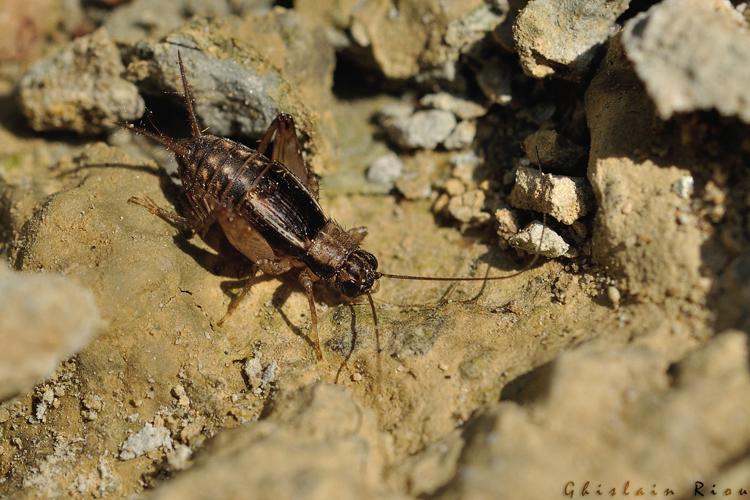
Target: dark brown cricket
x=267 y=207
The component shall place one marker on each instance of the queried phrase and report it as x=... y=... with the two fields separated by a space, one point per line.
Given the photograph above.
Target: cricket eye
x=349 y=288
x=371 y=260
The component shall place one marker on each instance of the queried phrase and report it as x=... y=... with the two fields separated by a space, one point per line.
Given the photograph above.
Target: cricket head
x=358 y=274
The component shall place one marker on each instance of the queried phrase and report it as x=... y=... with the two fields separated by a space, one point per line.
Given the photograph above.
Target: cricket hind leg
x=190 y=225
x=287 y=150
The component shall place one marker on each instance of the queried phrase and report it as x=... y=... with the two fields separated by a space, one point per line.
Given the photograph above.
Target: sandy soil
x=623 y=361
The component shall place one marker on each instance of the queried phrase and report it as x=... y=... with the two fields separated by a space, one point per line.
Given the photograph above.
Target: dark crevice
x=168 y=115
x=352 y=81
x=635 y=8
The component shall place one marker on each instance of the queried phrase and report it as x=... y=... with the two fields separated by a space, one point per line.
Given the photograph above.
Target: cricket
x=265 y=202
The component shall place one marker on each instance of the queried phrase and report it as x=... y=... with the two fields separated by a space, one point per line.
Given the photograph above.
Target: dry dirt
x=624 y=364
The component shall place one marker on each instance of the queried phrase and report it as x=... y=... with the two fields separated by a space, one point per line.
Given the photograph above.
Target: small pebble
x=356 y=377
x=462 y=108
x=385 y=170
x=683 y=187
x=462 y=136
x=179 y=458
x=147 y=439
x=178 y=392
x=414 y=187
x=396 y=110
x=548 y=244
x=469 y=207
x=422 y=130
x=454 y=187
x=614 y=296
x=567 y=199
x=80 y=89
x=507 y=223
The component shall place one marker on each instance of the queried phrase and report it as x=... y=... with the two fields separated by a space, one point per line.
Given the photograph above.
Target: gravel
x=462 y=136
x=385 y=169
x=149 y=438
x=567 y=199
x=422 y=130
x=537 y=239
x=80 y=89
x=462 y=108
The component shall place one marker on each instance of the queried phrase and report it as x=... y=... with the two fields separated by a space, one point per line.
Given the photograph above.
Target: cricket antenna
x=162 y=139
x=485 y=278
x=188 y=97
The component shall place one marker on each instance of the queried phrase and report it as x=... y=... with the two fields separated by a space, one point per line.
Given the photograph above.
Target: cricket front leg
x=268 y=266
x=306 y=279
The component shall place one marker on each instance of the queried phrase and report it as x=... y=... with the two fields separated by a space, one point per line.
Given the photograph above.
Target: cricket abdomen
x=251 y=194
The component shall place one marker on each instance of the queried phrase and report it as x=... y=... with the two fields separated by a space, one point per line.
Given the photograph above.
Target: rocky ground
x=607 y=138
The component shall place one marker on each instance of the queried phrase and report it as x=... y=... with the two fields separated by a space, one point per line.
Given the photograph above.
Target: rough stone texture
x=462 y=108
x=637 y=233
x=692 y=55
x=503 y=33
x=305 y=449
x=413 y=37
x=140 y=19
x=469 y=207
x=617 y=408
x=507 y=225
x=44 y=319
x=244 y=72
x=385 y=170
x=28 y=25
x=80 y=89
x=549 y=148
x=562 y=38
x=567 y=199
x=422 y=130
x=148 y=439
x=537 y=239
